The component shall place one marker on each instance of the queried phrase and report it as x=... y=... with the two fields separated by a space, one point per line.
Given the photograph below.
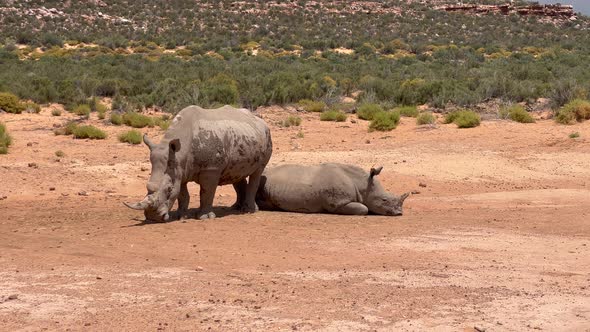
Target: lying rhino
x=211 y=147
x=332 y=188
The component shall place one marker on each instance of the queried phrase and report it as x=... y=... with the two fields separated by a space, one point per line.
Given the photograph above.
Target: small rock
x=3 y=197
x=415 y=192
x=51 y=188
x=56 y=125
x=199 y=269
x=65 y=194
x=368 y=141
x=422 y=184
x=30 y=144
x=352 y=121
x=33 y=165
x=143 y=169
x=83 y=193
x=479 y=329
x=13 y=297
x=98 y=278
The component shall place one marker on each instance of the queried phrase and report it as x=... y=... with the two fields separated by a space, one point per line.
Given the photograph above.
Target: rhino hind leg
x=183 y=202
x=208 y=181
x=353 y=208
x=249 y=205
x=240 y=188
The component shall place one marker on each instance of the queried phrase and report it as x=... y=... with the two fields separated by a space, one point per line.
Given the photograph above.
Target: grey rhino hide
x=211 y=147
x=328 y=188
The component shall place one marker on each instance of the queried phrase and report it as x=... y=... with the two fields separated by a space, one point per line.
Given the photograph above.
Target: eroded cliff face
x=552 y=11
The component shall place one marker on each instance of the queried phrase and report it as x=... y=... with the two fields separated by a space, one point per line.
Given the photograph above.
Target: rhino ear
x=174 y=145
x=375 y=171
x=148 y=142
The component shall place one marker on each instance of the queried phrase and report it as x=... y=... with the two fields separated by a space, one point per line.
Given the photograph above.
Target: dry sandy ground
x=498 y=238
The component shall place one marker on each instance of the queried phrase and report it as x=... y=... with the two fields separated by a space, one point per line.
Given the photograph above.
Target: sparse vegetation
x=300 y=134
x=68 y=129
x=59 y=154
x=32 y=107
x=5 y=139
x=131 y=137
x=576 y=110
x=136 y=120
x=333 y=115
x=291 y=121
x=425 y=118
x=516 y=113
x=10 y=103
x=55 y=112
x=82 y=110
x=116 y=119
x=90 y=132
x=368 y=111
x=384 y=121
x=463 y=118
x=574 y=135
x=312 y=106
x=408 y=111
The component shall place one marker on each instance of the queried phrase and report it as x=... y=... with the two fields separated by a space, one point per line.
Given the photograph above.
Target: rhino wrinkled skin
x=326 y=188
x=211 y=147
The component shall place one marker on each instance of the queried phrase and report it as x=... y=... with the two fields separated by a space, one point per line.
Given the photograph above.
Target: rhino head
x=163 y=186
x=380 y=201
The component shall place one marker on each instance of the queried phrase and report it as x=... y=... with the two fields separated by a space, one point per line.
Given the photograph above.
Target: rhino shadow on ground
x=220 y=212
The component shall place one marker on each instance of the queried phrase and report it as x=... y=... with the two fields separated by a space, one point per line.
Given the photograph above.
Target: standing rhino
x=211 y=147
x=332 y=188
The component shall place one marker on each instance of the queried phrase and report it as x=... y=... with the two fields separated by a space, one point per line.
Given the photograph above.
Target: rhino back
x=232 y=140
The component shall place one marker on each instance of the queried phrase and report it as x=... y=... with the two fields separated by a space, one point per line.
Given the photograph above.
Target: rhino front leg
x=208 y=180
x=353 y=208
x=183 y=201
x=249 y=205
x=240 y=188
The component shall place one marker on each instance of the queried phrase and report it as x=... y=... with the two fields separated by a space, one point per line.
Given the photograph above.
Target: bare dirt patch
x=497 y=237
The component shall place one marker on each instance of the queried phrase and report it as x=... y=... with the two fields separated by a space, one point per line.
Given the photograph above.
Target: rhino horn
x=403 y=197
x=376 y=171
x=148 y=142
x=139 y=205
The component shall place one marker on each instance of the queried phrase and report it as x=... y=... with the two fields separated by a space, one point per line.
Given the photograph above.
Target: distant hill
x=582 y=6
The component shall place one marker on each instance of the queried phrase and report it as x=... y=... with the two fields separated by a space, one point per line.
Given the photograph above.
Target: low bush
x=68 y=129
x=516 y=113
x=32 y=108
x=574 y=135
x=59 y=153
x=291 y=121
x=333 y=115
x=163 y=122
x=131 y=137
x=55 y=112
x=136 y=120
x=90 y=132
x=576 y=110
x=409 y=111
x=368 y=111
x=463 y=118
x=5 y=139
x=116 y=119
x=82 y=110
x=312 y=106
x=10 y=103
x=384 y=121
x=425 y=118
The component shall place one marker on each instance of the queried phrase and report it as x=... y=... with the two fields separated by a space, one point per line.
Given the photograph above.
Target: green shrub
x=368 y=111
x=55 y=112
x=82 y=110
x=409 y=111
x=425 y=118
x=32 y=107
x=136 y=120
x=116 y=119
x=101 y=115
x=384 y=121
x=90 y=132
x=291 y=121
x=576 y=110
x=312 y=106
x=574 y=135
x=463 y=118
x=5 y=139
x=10 y=103
x=68 y=129
x=59 y=153
x=163 y=122
x=131 y=136
x=333 y=115
x=516 y=113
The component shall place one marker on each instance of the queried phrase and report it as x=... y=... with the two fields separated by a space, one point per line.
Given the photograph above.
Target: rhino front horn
x=403 y=197
x=140 y=205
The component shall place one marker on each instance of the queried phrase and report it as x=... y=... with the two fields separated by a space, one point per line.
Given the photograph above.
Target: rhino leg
x=249 y=205
x=183 y=201
x=208 y=180
x=240 y=188
x=353 y=208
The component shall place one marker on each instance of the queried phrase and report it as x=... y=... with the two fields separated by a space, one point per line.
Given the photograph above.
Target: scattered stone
x=65 y=194
x=199 y=269
x=143 y=168
x=83 y=193
x=3 y=197
x=56 y=125
x=479 y=329
x=352 y=121
x=422 y=184
x=368 y=141
x=33 y=165
x=51 y=188
x=30 y=144
x=98 y=278
x=415 y=192
x=12 y=297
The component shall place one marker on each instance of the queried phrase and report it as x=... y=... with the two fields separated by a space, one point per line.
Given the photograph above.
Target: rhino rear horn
x=148 y=142
x=139 y=205
x=376 y=171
